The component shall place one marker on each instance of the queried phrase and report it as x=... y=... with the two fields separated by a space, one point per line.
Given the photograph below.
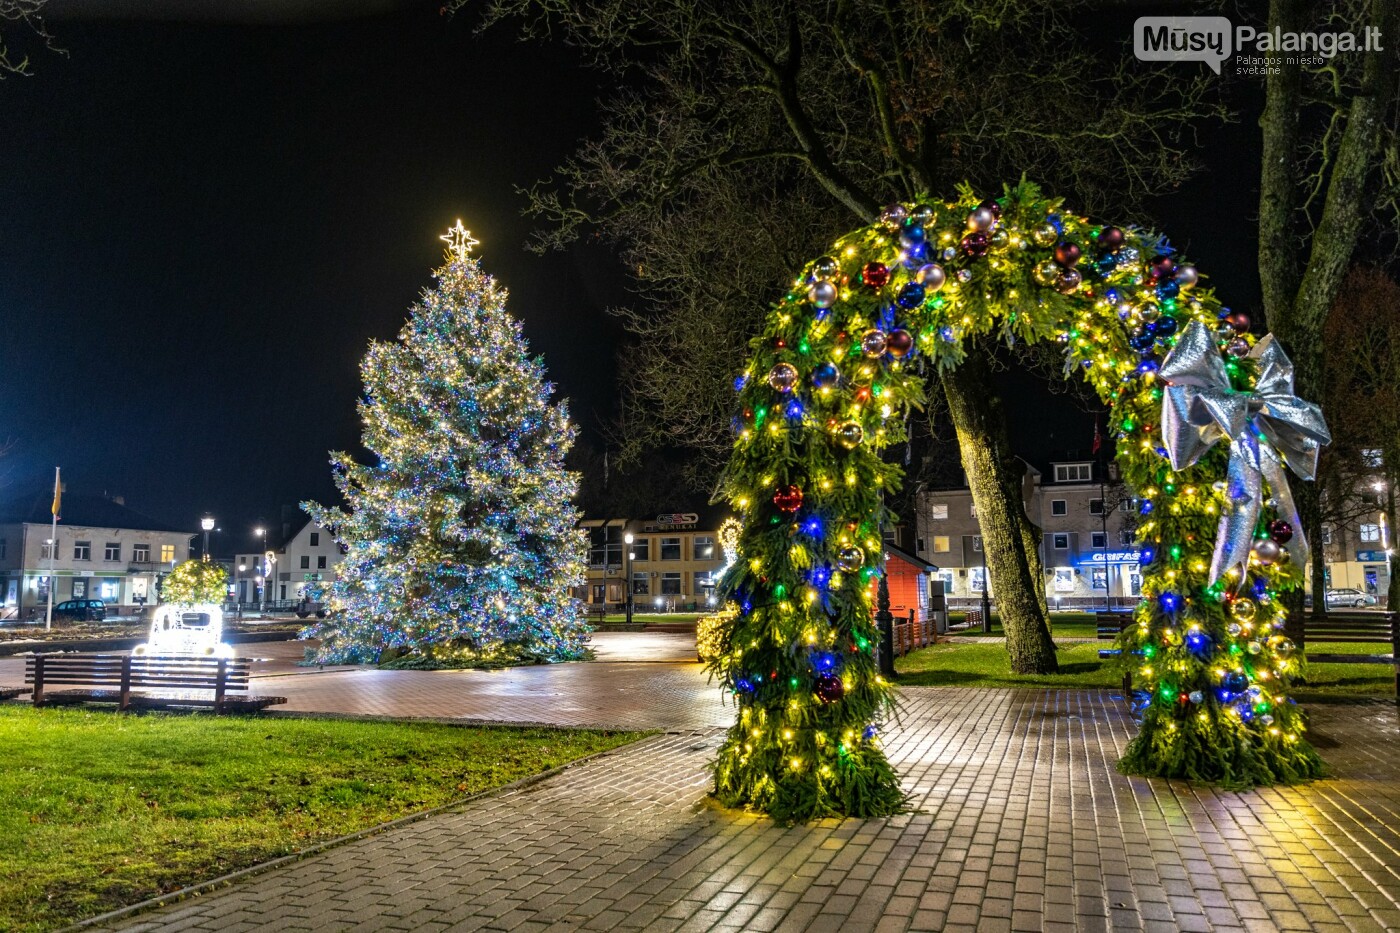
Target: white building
x=105 y=551
x=307 y=554
x=1087 y=544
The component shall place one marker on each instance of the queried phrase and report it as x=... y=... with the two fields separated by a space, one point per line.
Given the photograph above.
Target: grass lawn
x=986 y=665
x=1063 y=624
x=102 y=810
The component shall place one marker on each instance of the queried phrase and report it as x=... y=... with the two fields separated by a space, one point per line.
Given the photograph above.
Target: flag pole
x=53 y=549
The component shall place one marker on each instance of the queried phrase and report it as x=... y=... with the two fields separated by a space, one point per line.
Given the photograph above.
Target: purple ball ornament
x=873 y=343
x=976 y=244
x=1281 y=531
x=1067 y=254
x=1069 y=282
x=899 y=343
x=1112 y=239
x=828 y=688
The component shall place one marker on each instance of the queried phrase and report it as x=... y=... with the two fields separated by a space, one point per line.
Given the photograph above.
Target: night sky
x=202 y=223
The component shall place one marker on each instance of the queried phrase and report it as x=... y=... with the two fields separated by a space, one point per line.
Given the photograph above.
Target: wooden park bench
x=1358 y=628
x=144 y=683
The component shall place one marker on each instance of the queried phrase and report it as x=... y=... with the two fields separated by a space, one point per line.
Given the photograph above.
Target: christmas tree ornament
x=922 y=215
x=873 y=342
x=975 y=245
x=1281 y=531
x=1164 y=327
x=1187 y=277
x=1067 y=254
x=1069 y=281
x=932 y=276
x=899 y=343
x=1266 y=551
x=893 y=215
x=981 y=219
x=875 y=274
x=911 y=236
x=787 y=498
x=1239 y=347
x=826 y=269
x=1238 y=321
x=910 y=296
x=850 y=434
x=828 y=688
x=1149 y=311
x=1111 y=239
x=963 y=275
x=782 y=377
x=1046 y=273
x=949 y=254
x=826 y=376
x=822 y=294
x=1234 y=629
x=1045 y=235
x=1196 y=697
x=850 y=559
x=1243 y=610
x=1163 y=266
x=990 y=205
x=1236 y=682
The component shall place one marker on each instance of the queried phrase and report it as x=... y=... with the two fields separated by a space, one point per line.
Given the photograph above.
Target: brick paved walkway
x=1023 y=823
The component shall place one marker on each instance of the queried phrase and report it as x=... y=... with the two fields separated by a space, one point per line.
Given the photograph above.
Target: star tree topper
x=459 y=242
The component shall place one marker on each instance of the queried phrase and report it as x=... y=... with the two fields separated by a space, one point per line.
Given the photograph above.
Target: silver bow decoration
x=1268 y=429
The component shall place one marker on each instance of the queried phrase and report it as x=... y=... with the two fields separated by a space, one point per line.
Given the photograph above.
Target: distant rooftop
x=80 y=509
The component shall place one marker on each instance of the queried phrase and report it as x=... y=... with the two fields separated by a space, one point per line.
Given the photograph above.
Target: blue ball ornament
x=826 y=375
x=1165 y=326
x=910 y=296
x=1236 y=682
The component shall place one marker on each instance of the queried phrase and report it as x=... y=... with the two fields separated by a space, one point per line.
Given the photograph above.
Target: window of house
x=321 y=562
x=1370 y=534
x=977 y=542
x=641 y=549
x=113 y=551
x=887 y=536
x=1099 y=540
x=167 y=553
x=1371 y=456
x=1095 y=506
x=670 y=550
x=1098 y=578
x=604 y=547
x=1059 y=507
x=141 y=553
x=80 y=589
x=1060 y=542
x=919 y=545
x=82 y=550
x=1125 y=537
x=46 y=551
x=1072 y=472
x=1064 y=580
x=670 y=582
x=641 y=584
x=1326 y=534
x=702 y=548
x=315 y=538
x=109 y=591
x=939 y=511
x=941 y=544
x=306 y=562
x=976 y=580
x=947 y=577
x=973 y=510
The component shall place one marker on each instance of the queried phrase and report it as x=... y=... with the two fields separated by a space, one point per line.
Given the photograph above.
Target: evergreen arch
x=847 y=352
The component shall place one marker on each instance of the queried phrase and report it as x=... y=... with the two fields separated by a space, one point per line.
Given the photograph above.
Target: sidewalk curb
x=224 y=881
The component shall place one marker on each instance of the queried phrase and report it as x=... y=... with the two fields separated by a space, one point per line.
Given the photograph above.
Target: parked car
x=81 y=610
x=1348 y=596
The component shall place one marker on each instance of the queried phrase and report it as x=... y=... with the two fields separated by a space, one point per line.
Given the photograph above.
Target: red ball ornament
x=875 y=274
x=899 y=343
x=1281 y=531
x=1112 y=239
x=1239 y=321
x=788 y=498
x=1067 y=254
x=829 y=688
x=976 y=244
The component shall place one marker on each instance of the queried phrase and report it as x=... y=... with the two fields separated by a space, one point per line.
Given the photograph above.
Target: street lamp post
x=262 y=589
x=986 y=593
x=627 y=539
x=207 y=523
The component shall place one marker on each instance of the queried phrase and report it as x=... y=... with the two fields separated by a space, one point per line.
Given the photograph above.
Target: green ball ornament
x=850 y=559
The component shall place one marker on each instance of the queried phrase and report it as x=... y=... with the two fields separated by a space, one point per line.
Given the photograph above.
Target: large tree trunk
x=1010 y=540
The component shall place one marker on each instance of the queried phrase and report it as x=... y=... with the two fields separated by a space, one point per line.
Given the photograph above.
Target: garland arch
x=1204 y=421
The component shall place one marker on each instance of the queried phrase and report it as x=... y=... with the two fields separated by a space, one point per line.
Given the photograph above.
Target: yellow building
x=670 y=561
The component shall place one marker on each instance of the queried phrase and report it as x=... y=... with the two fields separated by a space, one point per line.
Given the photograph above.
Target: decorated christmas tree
x=461 y=543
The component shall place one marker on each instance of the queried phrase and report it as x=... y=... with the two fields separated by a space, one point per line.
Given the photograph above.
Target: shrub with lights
x=1205 y=422
x=195 y=582
x=461 y=542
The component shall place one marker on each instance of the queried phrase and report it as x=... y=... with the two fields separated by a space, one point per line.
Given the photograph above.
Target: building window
x=1060 y=541
x=1073 y=472
x=604 y=547
x=1370 y=534
x=82 y=550
x=1095 y=506
x=321 y=562
x=670 y=582
x=1326 y=534
x=80 y=589
x=4 y=548
x=113 y=551
x=1098 y=578
x=641 y=584
x=315 y=538
x=1125 y=537
x=976 y=582
x=141 y=553
x=306 y=562
x=641 y=549
x=167 y=553
x=1059 y=507
x=1099 y=540
x=977 y=542
x=941 y=544
x=670 y=550
x=109 y=591
x=947 y=577
x=939 y=511
x=1371 y=456
x=973 y=510
x=1064 y=580
x=46 y=551
x=702 y=548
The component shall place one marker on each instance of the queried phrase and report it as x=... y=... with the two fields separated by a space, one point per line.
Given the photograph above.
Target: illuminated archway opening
x=1204 y=420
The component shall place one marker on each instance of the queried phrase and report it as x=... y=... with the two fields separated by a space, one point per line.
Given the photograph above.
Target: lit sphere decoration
x=1242 y=610
x=1187 y=277
x=788 y=498
x=782 y=377
x=822 y=294
x=899 y=343
x=1236 y=682
x=1112 y=239
x=1267 y=550
x=1046 y=273
x=894 y=215
x=922 y=215
x=850 y=434
x=1149 y=311
x=1069 y=281
x=826 y=269
x=875 y=274
x=1067 y=254
x=1281 y=531
x=873 y=342
x=910 y=296
x=1196 y=697
x=932 y=276
x=1045 y=235
x=850 y=559
x=1239 y=347
x=826 y=376
x=981 y=219
x=976 y=244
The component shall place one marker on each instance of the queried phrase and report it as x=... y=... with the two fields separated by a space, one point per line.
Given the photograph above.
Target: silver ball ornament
x=1266 y=550
x=782 y=377
x=850 y=559
x=932 y=276
x=826 y=269
x=981 y=219
x=822 y=294
x=1187 y=277
x=873 y=342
